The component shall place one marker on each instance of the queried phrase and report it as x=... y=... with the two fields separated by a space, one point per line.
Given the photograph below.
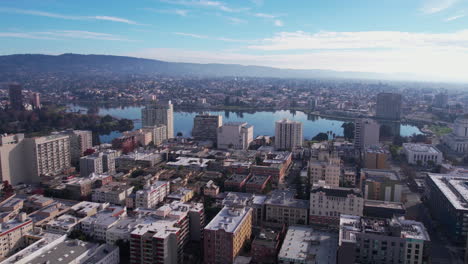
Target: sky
x=428 y=38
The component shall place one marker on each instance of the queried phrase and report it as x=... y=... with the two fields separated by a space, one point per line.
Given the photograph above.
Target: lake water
x=263 y=122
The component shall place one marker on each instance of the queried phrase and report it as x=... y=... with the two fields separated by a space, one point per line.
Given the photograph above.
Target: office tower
x=226 y=234
x=91 y=164
x=288 y=134
x=36 y=101
x=388 y=106
x=376 y=240
x=49 y=155
x=16 y=96
x=236 y=135
x=205 y=127
x=12 y=156
x=366 y=133
x=159 y=114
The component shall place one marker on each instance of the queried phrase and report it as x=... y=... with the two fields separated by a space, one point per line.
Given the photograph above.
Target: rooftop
x=229 y=218
x=454 y=187
x=64 y=252
x=426 y=148
x=286 y=198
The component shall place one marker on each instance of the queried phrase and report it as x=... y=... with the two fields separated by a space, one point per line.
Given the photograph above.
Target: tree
x=348 y=130
x=386 y=131
x=321 y=137
x=179 y=134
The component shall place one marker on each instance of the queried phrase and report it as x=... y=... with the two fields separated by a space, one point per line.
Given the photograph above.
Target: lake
x=263 y=121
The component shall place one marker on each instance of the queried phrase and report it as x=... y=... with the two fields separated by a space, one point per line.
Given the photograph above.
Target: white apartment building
x=422 y=153
x=328 y=203
x=80 y=141
x=113 y=193
x=12 y=234
x=108 y=160
x=288 y=134
x=152 y=195
x=158 y=114
x=236 y=135
x=97 y=225
x=91 y=164
x=158 y=133
x=12 y=156
x=49 y=155
x=366 y=133
x=327 y=169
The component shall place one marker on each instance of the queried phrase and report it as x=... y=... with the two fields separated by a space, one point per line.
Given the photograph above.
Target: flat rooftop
x=426 y=148
x=454 y=187
x=229 y=218
x=64 y=252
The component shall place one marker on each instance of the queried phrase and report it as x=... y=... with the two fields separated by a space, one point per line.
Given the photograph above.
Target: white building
x=457 y=140
x=366 y=133
x=157 y=114
x=327 y=169
x=158 y=133
x=12 y=156
x=108 y=160
x=422 y=153
x=236 y=135
x=80 y=141
x=302 y=244
x=288 y=134
x=97 y=225
x=91 y=164
x=113 y=193
x=152 y=195
x=63 y=224
x=328 y=203
x=48 y=155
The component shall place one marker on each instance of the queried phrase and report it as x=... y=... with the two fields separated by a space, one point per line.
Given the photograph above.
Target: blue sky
x=424 y=37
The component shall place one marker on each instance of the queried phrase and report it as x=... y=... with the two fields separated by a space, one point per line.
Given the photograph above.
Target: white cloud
x=301 y=40
x=278 y=23
x=63 y=34
x=191 y=35
x=198 y=36
x=264 y=15
x=236 y=21
x=452 y=18
x=67 y=17
x=435 y=6
x=205 y=3
x=180 y=12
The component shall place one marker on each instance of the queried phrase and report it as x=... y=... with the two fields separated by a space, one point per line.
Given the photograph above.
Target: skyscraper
x=288 y=134
x=159 y=114
x=205 y=127
x=16 y=97
x=36 y=100
x=366 y=133
x=388 y=106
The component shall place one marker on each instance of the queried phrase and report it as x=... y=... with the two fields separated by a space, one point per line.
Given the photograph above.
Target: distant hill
x=106 y=64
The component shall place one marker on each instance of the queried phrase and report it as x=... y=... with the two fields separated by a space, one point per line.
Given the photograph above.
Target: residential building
x=375 y=157
x=143 y=159
x=80 y=141
x=447 y=199
x=182 y=195
x=91 y=164
x=288 y=134
x=235 y=135
x=108 y=160
x=374 y=240
x=205 y=127
x=388 y=106
x=457 y=140
x=12 y=156
x=16 y=97
x=382 y=185
x=281 y=208
x=63 y=224
x=96 y=226
x=327 y=169
x=383 y=209
x=49 y=155
x=159 y=114
x=113 y=193
x=328 y=203
x=422 y=154
x=254 y=201
x=211 y=189
x=274 y=164
x=266 y=246
x=366 y=133
x=36 y=100
x=303 y=244
x=158 y=133
x=152 y=195
x=236 y=182
x=190 y=163
x=142 y=137
x=226 y=234
x=441 y=100
x=12 y=234
x=257 y=184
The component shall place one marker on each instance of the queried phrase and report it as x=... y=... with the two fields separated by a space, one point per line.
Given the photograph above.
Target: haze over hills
x=107 y=64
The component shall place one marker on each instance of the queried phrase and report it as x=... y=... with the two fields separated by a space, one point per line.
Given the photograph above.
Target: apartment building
x=152 y=195
x=235 y=135
x=159 y=114
x=205 y=127
x=288 y=134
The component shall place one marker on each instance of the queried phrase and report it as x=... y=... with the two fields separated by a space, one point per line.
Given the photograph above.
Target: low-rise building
x=383 y=185
x=383 y=209
x=373 y=240
x=422 y=154
x=328 y=203
x=152 y=195
x=113 y=193
x=266 y=245
x=12 y=234
x=375 y=157
x=181 y=195
x=211 y=189
x=257 y=184
x=236 y=182
x=63 y=224
x=302 y=244
x=281 y=208
x=97 y=225
x=190 y=163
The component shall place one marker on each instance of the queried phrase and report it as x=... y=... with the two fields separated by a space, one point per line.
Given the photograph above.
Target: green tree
x=348 y=130
x=321 y=137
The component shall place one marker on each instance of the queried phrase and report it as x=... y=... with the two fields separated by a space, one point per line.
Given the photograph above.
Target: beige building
x=151 y=196
x=366 y=133
x=91 y=164
x=49 y=155
x=328 y=203
x=12 y=156
x=288 y=134
x=142 y=136
x=12 y=234
x=327 y=169
x=226 y=234
x=158 y=133
x=281 y=208
x=236 y=135
x=159 y=114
